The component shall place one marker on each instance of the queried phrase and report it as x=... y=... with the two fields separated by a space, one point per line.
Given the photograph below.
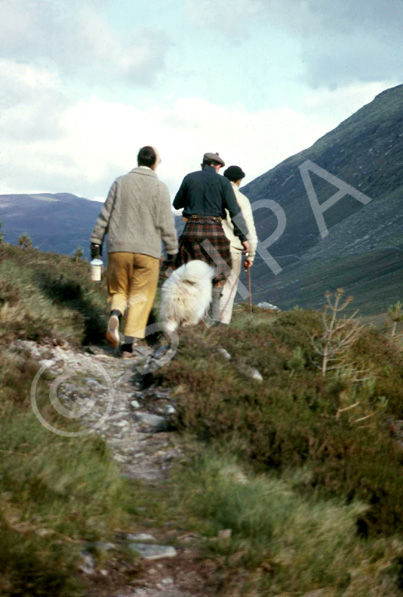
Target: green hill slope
x=366 y=152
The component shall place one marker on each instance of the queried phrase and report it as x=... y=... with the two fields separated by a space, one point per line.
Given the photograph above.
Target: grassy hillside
x=55 y=492
x=290 y=485
x=375 y=279
x=287 y=450
x=366 y=152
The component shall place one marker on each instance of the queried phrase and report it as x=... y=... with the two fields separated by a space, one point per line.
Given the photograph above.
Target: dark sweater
x=207 y=193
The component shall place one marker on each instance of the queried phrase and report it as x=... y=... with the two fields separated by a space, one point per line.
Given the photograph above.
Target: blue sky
x=85 y=83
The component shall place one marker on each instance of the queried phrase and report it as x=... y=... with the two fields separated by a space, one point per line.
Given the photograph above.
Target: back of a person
x=204 y=188
x=137 y=218
x=136 y=214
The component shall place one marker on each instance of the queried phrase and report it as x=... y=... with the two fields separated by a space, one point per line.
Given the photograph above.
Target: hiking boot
x=112 y=334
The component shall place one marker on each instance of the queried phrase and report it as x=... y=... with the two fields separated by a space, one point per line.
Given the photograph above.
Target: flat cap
x=213 y=156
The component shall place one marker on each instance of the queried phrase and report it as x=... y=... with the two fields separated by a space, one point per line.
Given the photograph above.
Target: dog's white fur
x=186 y=295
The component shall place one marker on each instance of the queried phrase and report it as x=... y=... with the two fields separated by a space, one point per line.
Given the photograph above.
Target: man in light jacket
x=205 y=196
x=137 y=217
x=235 y=176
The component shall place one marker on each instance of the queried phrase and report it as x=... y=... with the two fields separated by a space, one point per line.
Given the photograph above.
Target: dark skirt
x=204 y=239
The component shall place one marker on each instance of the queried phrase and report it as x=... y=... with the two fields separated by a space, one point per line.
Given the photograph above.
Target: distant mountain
x=55 y=222
x=363 y=251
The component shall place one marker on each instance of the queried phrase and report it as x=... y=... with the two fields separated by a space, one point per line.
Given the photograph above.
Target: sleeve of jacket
x=180 y=197
x=102 y=223
x=240 y=227
x=167 y=222
x=252 y=235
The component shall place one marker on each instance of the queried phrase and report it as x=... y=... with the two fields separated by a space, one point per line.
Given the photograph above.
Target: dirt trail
x=135 y=425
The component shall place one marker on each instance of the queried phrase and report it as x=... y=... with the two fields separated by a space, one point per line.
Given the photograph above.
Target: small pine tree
x=395 y=316
x=25 y=241
x=338 y=334
x=78 y=254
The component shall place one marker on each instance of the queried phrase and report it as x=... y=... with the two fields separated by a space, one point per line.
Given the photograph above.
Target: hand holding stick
x=247 y=265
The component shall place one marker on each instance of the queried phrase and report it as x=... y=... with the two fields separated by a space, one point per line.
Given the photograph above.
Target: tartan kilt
x=204 y=239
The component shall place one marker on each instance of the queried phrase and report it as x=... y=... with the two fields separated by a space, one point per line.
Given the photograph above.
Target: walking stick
x=249 y=290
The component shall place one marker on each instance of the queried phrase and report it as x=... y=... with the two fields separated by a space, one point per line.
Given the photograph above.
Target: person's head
x=148 y=156
x=234 y=174
x=213 y=160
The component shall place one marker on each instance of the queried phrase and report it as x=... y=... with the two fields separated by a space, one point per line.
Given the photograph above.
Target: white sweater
x=137 y=216
x=247 y=213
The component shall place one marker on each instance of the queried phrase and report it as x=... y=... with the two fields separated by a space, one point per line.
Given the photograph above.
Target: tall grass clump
x=276 y=541
x=46 y=296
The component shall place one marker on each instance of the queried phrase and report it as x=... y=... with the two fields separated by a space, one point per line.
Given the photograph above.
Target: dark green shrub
x=294 y=417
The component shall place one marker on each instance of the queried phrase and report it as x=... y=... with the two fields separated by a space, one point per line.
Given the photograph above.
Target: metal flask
x=96 y=270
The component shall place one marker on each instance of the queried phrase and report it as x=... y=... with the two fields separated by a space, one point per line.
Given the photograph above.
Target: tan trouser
x=230 y=288
x=132 y=283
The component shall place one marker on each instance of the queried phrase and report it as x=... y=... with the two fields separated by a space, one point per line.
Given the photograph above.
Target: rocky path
x=103 y=392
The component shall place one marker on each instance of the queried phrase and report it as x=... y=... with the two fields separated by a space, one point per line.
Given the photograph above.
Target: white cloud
x=96 y=141
x=78 y=40
x=341 y=42
x=231 y=18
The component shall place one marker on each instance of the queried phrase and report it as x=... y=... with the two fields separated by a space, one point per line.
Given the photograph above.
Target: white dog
x=186 y=295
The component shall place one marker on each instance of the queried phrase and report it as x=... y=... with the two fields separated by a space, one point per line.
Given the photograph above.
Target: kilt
x=204 y=239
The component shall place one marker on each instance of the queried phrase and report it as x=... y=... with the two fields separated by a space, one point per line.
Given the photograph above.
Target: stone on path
x=140 y=537
x=155 y=422
x=153 y=552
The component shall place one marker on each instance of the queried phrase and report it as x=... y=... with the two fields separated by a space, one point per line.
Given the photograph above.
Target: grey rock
x=153 y=552
x=155 y=422
x=142 y=351
x=169 y=409
x=140 y=537
x=252 y=373
x=161 y=351
x=115 y=416
x=93 y=382
x=256 y=375
x=122 y=424
x=268 y=306
x=88 y=563
x=224 y=353
x=47 y=363
x=135 y=404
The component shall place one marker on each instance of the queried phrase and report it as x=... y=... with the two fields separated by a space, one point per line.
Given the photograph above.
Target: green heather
x=303 y=470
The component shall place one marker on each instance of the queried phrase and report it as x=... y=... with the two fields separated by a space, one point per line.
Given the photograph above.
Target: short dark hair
x=211 y=163
x=234 y=173
x=146 y=156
